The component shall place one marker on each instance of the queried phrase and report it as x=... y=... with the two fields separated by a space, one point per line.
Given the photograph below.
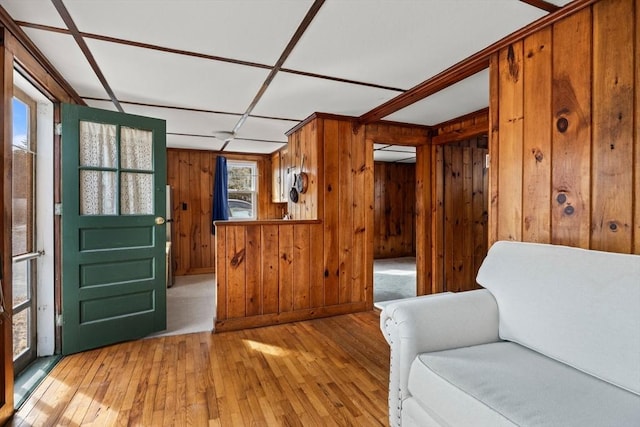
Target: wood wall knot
x=562 y=124
x=237 y=258
x=537 y=154
x=514 y=65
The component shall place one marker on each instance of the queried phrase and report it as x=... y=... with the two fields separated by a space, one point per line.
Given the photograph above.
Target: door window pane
x=98 y=145
x=20 y=282
x=21 y=332
x=22 y=191
x=97 y=192
x=136 y=194
x=136 y=149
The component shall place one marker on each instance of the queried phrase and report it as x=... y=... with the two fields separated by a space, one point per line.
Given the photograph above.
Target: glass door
x=24 y=251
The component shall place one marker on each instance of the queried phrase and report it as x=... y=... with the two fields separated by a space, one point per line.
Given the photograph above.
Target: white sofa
x=552 y=340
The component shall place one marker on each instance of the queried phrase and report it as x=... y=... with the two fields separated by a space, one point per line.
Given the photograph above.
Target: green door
x=113 y=232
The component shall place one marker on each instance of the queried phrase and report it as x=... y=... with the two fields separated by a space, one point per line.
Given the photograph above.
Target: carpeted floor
x=394 y=278
x=190 y=305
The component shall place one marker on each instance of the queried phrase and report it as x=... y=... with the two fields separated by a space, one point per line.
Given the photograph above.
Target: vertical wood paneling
x=494 y=144
x=423 y=221
x=345 y=209
x=394 y=201
x=331 y=218
x=480 y=200
x=221 y=274
x=322 y=266
x=359 y=202
x=206 y=196
x=464 y=212
x=285 y=268
x=236 y=272
x=437 y=223
x=536 y=185
x=195 y=213
x=316 y=268
x=301 y=266
x=253 y=270
x=594 y=116
x=182 y=221
x=510 y=145
x=571 y=130
x=270 y=269
x=636 y=191
x=612 y=215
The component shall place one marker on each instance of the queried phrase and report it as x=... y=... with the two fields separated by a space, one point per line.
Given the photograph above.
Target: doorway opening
x=463 y=213
x=394 y=241
x=32 y=237
x=32 y=224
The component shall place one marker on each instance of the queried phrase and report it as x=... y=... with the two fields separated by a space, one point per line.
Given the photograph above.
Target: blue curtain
x=220 y=210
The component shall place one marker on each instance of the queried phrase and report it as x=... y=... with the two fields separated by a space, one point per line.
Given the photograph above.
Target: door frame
x=18 y=52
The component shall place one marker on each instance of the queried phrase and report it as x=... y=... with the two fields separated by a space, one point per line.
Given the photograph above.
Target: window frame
x=253 y=165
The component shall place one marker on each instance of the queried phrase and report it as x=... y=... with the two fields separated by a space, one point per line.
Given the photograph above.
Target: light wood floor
x=323 y=372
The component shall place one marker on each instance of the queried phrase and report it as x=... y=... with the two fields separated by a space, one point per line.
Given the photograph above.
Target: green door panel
x=113 y=252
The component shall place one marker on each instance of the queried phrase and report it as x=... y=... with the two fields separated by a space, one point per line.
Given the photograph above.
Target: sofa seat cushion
x=504 y=383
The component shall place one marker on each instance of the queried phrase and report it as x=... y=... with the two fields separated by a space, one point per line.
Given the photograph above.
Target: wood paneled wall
x=340 y=170
x=321 y=261
x=565 y=142
x=464 y=213
x=190 y=174
x=394 y=210
x=460 y=201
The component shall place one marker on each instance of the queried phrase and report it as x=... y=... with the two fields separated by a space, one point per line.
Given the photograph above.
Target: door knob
x=159 y=220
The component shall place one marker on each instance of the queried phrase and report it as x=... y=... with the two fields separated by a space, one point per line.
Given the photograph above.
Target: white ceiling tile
x=266 y=129
x=249 y=30
x=65 y=55
x=466 y=96
x=36 y=11
x=253 y=147
x=296 y=97
x=154 y=77
x=103 y=105
x=401 y=148
x=402 y=43
x=408 y=160
x=391 y=156
x=194 y=142
x=185 y=121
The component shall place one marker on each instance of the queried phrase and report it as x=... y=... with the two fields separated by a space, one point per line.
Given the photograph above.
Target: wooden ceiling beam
x=541 y=4
x=468 y=66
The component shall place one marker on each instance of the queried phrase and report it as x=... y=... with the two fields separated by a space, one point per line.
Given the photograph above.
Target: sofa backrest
x=580 y=307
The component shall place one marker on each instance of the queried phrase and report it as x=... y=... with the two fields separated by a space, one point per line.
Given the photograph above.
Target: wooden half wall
x=565 y=140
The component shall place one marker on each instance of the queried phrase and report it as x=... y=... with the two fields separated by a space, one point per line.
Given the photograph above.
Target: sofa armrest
x=433 y=323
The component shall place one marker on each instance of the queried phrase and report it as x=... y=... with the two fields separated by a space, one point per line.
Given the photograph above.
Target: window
x=243 y=189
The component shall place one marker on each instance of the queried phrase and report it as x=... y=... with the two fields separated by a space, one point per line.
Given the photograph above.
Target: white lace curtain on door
x=98 y=185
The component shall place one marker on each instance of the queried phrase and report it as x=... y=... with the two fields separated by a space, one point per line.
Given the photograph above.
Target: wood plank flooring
x=323 y=372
